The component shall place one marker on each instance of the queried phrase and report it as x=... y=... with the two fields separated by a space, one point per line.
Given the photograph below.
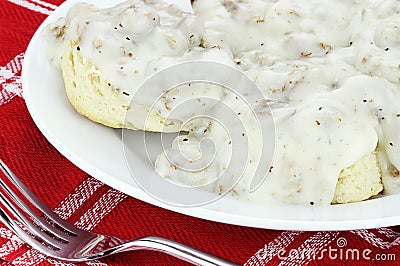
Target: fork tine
x=70 y=230
x=28 y=224
x=13 y=226
x=36 y=219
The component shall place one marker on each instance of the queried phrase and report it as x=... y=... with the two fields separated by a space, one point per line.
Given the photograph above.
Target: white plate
x=98 y=151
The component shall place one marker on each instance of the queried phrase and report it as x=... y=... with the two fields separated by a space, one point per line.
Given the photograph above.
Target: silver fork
x=56 y=238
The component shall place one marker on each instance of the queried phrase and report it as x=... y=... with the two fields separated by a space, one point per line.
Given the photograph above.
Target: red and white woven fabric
x=93 y=206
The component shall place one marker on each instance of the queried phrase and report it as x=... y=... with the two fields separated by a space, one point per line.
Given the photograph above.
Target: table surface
x=89 y=204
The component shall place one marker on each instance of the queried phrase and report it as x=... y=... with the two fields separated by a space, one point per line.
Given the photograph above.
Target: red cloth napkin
x=91 y=205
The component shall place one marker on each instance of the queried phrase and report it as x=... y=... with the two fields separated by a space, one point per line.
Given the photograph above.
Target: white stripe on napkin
x=270 y=250
x=108 y=201
x=73 y=201
x=45 y=4
x=10 y=83
x=388 y=232
x=371 y=238
x=15 y=65
x=32 y=6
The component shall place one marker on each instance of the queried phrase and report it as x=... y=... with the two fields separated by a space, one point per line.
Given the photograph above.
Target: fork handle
x=177 y=250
